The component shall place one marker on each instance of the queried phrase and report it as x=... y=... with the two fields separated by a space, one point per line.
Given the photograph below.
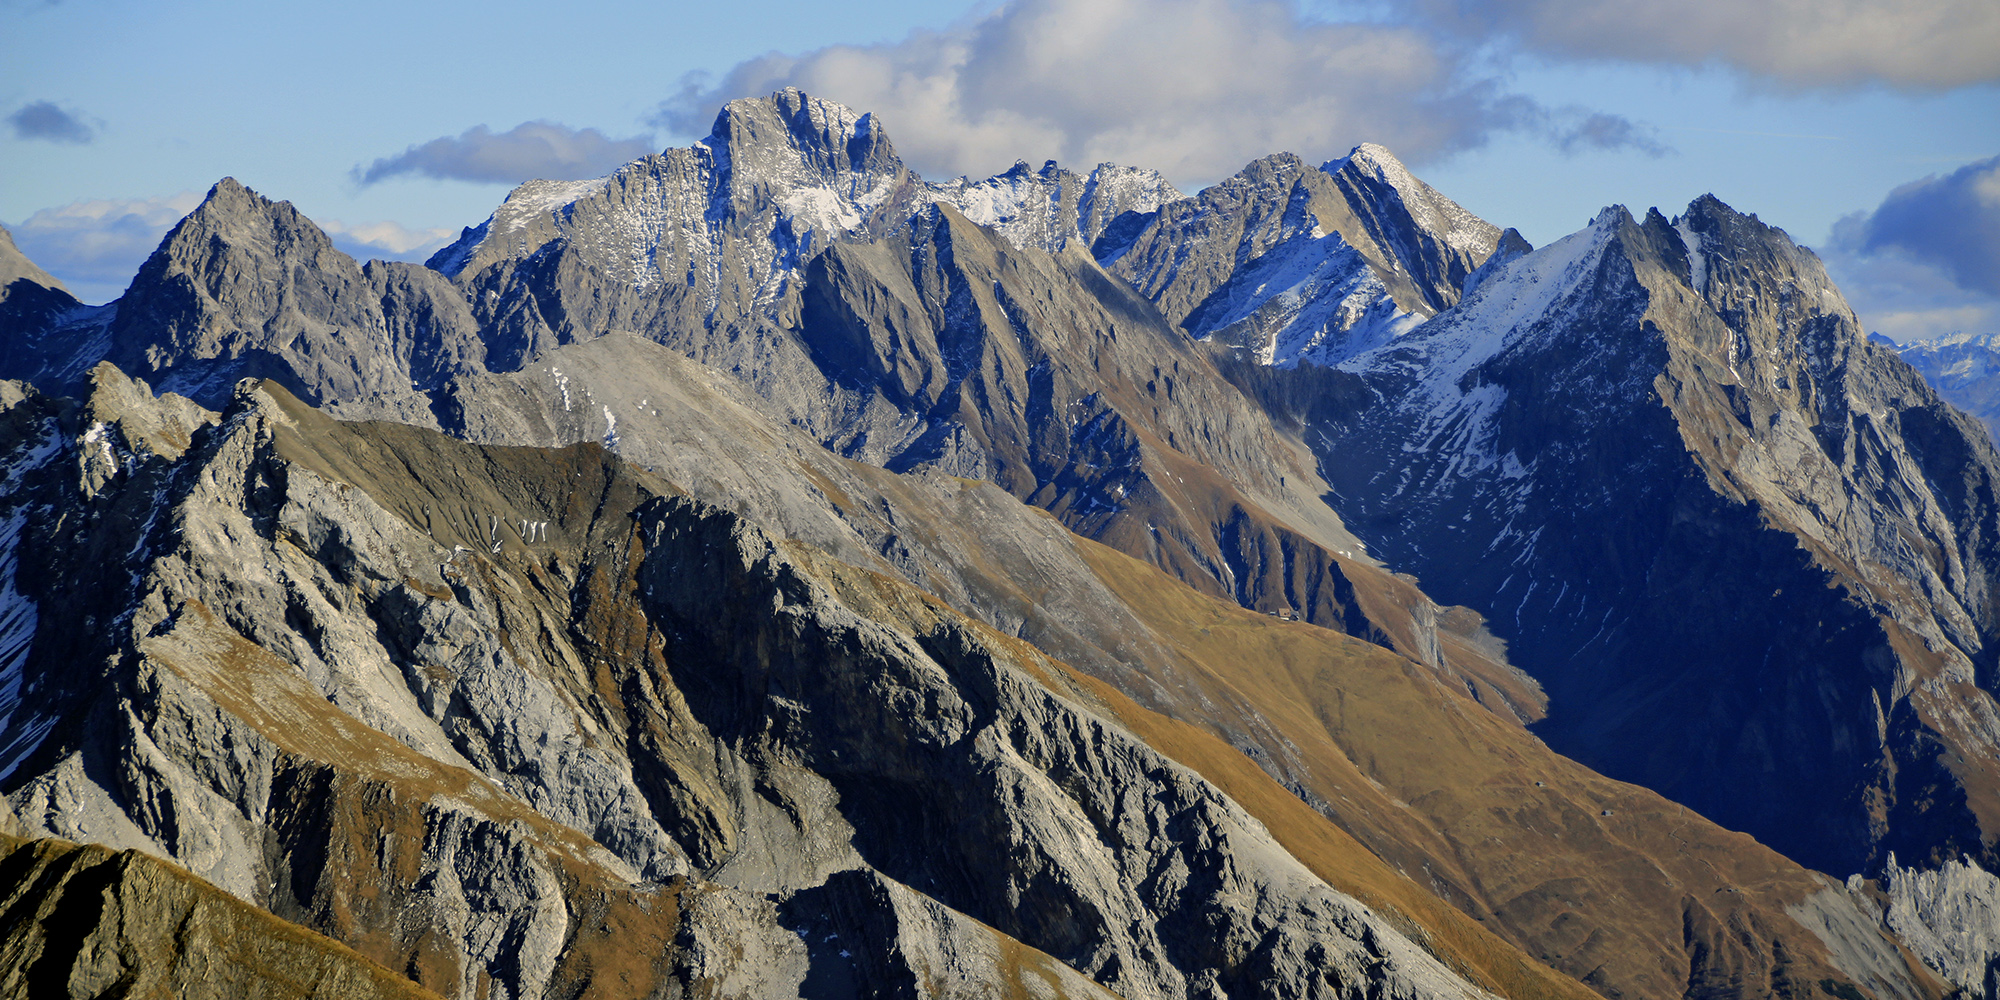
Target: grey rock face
x=1950 y=916
x=328 y=668
x=1035 y=824
x=1661 y=457
x=432 y=332
x=1041 y=375
x=247 y=287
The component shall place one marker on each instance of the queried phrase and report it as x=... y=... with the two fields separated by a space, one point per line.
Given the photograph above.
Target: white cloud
x=1909 y=44
x=96 y=246
x=527 y=151
x=1908 y=300
x=1925 y=262
x=1950 y=222
x=1194 y=88
x=386 y=240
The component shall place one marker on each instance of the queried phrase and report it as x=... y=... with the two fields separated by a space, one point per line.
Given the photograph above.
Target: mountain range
x=766 y=572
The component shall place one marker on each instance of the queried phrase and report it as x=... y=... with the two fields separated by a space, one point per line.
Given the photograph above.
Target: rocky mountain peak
x=1435 y=238
x=1286 y=263
x=719 y=226
x=248 y=286
x=1694 y=397
x=1376 y=161
x=791 y=135
x=234 y=220
x=15 y=266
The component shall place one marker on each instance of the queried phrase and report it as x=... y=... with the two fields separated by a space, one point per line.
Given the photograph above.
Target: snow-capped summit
x=786 y=172
x=1288 y=263
x=1052 y=207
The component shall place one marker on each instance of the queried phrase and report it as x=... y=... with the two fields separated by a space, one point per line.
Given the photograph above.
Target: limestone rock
x=1950 y=916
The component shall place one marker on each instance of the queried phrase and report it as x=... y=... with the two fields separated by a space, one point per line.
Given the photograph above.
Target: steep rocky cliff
x=509 y=719
x=1748 y=553
x=513 y=721
x=1949 y=916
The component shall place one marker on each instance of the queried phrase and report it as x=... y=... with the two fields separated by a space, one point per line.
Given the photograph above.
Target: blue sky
x=394 y=124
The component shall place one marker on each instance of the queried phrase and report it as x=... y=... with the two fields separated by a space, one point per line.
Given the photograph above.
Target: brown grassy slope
x=1328 y=851
x=78 y=921
x=1607 y=882
x=1615 y=900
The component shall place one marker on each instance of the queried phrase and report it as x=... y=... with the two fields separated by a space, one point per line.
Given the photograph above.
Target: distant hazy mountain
x=1965 y=368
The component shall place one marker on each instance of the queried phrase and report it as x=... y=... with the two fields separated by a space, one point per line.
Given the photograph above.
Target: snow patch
x=1523 y=298
x=1312 y=298
x=20 y=733
x=1697 y=261
x=538 y=198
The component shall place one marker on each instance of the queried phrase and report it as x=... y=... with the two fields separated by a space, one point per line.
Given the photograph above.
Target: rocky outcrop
x=1193 y=659
x=247 y=287
x=1054 y=207
x=1949 y=916
x=1128 y=888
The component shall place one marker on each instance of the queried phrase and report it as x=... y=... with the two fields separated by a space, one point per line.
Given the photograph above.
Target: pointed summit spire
x=15 y=266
